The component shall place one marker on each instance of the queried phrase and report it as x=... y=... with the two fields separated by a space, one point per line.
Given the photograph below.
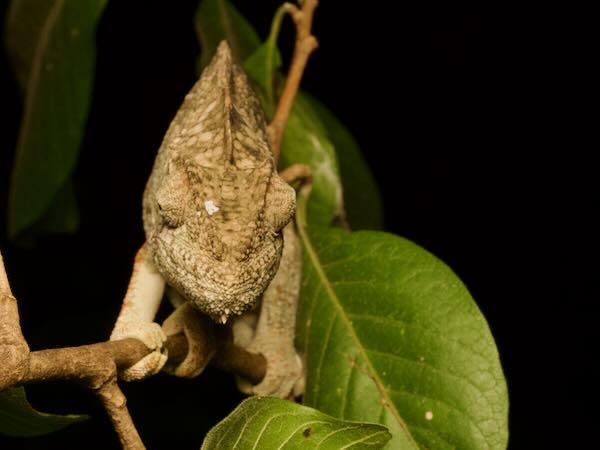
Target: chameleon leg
x=135 y=320
x=274 y=334
x=275 y=331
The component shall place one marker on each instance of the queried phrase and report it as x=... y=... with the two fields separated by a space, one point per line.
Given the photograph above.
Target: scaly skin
x=214 y=210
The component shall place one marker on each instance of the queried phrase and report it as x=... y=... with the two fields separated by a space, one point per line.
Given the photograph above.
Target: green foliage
x=362 y=202
x=266 y=422
x=304 y=141
x=18 y=418
x=217 y=20
x=313 y=136
x=390 y=334
x=52 y=48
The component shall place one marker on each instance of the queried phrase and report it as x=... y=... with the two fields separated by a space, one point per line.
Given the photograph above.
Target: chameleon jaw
x=219 y=294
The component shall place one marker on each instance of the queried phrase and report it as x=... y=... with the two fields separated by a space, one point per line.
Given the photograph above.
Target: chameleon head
x=221 y=255
x=214 y=206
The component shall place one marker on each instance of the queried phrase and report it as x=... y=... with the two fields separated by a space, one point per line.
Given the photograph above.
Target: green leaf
x=362 y=202
x=53 y=52
x=217 y=20
x=63 y=215
x=261 y=66
x=24 y=26
x=305 y=141
x=18 y=418
x=391 y=335
x=266 y=422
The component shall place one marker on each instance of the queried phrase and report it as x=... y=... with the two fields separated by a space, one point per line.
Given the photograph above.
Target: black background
x=469 y=119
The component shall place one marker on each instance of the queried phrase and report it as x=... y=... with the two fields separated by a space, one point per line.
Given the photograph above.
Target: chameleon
x=220 y=237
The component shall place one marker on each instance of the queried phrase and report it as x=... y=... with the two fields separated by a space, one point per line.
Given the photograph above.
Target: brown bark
x=96 y=365
x=304 y=46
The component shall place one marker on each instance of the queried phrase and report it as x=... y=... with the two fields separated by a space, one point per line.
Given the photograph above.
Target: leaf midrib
x=314 y=258
x=228 y=27
x=31 y=93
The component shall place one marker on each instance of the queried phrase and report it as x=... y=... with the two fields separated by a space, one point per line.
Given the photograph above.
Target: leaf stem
x=305 y=44
x=271 y=46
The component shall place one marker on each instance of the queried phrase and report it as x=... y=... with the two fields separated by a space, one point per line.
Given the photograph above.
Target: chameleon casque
x=216 y=214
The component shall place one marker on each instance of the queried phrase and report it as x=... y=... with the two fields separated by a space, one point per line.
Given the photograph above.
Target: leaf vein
x=334 y=432
x=304 y=424
x=427 y=364
x=265 y=426
x=325 y=346
x=241 y=432
x=363 y=439
x=346 y=390
x=448 y=405
x=432 y=432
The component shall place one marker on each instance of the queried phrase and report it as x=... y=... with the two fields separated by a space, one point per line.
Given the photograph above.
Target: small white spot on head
x=428 y=415
x=210 y=207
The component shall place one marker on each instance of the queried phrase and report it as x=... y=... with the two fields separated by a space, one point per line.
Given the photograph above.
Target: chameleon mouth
x=220 y=308
x=217 y=290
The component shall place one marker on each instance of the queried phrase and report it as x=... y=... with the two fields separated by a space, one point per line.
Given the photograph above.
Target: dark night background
x=465 y=117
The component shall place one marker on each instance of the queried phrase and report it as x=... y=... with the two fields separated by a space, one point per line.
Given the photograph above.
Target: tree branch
x=115 y=404
x=305 y=44
x=14 y=351
x=96 y=365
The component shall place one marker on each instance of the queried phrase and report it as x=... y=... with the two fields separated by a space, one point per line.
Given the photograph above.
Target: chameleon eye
x=171 y=198
x=172 y=214
x=281 y=203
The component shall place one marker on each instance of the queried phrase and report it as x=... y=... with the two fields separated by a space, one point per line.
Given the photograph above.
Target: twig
x=96 y=365
x=14 y=351
x=229 y=357
x=115 y=404
x=305 y=44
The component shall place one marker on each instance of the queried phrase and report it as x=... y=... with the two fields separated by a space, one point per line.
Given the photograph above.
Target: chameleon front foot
x=153 y=337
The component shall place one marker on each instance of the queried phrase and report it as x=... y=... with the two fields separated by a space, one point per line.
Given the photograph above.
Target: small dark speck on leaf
x=306 y=432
